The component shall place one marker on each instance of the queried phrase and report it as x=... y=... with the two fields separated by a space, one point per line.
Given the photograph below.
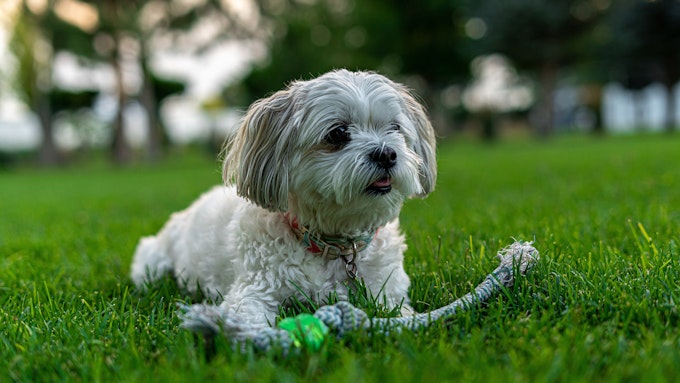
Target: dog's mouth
x=381 y=186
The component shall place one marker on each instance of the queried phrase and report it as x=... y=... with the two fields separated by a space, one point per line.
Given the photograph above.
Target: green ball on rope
x=306 y=331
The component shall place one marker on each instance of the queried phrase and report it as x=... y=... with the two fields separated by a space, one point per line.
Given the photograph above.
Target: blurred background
x=134 y=79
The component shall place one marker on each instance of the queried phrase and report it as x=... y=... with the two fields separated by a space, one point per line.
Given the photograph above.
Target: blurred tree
x=494 y=90
x=421 y=44
x=115 y=18
x=160 y=89
x=431 y=41
x=539 y=36
x=310 y=38
x=117 y=37
x=165 y=24
x=119 y=33
x=32 y=79
x=35 y=37
x=645 y=49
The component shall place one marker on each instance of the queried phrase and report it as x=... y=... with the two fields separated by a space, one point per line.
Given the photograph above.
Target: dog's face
x=340 y=152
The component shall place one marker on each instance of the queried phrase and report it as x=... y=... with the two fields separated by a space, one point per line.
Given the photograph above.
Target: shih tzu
x=315 y=176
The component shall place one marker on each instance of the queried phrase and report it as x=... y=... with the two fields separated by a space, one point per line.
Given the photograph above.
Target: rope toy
x=307 y=331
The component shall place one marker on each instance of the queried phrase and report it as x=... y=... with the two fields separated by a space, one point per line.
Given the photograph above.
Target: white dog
x=317 y=174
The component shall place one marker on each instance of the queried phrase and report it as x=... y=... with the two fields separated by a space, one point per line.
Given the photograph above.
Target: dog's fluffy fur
x=339 y=154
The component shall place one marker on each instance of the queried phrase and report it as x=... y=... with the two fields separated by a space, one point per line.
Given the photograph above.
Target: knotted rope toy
x=307 y=331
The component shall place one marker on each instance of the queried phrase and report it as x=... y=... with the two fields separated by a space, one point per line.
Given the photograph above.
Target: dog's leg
x=150 y=262
x=254 y=303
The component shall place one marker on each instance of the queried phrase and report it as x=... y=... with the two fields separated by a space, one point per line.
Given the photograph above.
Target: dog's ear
x=425 y=144
x=257 y=155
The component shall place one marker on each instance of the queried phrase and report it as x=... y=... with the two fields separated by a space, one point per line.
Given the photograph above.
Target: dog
x=314 y=179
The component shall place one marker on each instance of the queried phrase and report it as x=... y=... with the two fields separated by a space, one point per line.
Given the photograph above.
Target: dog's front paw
x=201 y=318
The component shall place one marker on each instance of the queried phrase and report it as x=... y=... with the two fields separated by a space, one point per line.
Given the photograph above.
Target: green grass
x=599 y=306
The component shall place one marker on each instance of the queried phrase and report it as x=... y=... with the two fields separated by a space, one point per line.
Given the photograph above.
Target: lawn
x=599 y=306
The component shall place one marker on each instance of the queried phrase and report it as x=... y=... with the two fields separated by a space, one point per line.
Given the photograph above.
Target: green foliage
x=394 y=38
x=30 y=69
x=601 y=305
x=61 y=99
x=533 y=32
x=163 y=87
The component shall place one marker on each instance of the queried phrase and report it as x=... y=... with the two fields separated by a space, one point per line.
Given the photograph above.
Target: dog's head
x=340 y=152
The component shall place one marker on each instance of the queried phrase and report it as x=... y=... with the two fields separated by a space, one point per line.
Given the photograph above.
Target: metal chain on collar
x=350 y=265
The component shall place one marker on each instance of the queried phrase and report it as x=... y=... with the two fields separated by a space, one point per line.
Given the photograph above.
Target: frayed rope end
x=520 y=256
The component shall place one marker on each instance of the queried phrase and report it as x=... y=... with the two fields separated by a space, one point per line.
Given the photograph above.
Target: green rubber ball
x=306 y=330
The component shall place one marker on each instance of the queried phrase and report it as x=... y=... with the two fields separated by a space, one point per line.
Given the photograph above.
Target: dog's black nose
x=386 y=157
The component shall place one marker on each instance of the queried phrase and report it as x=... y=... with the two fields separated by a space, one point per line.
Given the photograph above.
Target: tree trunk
x=592 y=97
x=48 y=153
x=598 y=125
x=639 y=118
x=120 y=148
x=489 y=128
x=156 y=136
x=669 y=123
x=671 y=77
x=545 y=110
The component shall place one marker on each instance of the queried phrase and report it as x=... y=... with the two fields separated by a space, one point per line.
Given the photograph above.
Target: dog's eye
x=395 y=127
x=338 y=136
